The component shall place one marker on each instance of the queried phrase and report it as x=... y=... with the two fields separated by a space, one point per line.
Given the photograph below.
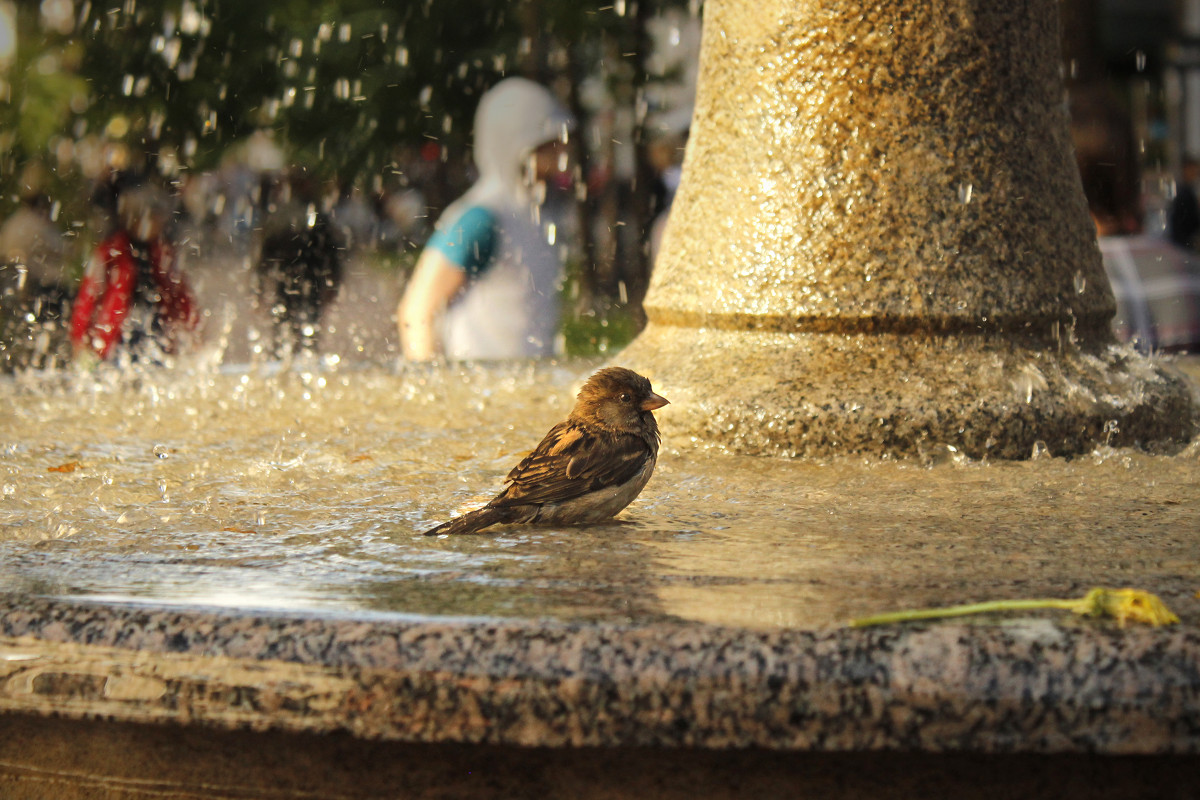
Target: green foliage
x=45 y=105
x=349 y=88
x=343 y=83
x=39 y=91
x=599 y=333
x=353 y=76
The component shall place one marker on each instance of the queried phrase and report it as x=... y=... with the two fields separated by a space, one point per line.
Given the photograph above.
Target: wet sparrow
x=588 y=467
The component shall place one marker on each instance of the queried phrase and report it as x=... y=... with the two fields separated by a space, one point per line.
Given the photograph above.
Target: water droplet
x=191 y=21
x=1111 y=428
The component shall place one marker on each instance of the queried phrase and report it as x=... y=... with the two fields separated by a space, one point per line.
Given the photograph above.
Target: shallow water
x=309 y=490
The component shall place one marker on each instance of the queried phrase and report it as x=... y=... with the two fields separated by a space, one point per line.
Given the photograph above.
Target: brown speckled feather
x=570 y=462
x=587 y=468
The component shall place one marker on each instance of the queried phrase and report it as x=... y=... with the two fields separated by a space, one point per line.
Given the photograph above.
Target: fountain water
x=244 y=552
x=309 y=492
x=220 y=563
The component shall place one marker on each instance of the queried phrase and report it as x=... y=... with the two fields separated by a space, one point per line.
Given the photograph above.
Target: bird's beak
x=654 y=401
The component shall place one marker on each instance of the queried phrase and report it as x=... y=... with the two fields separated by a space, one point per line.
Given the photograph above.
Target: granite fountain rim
x=984 y=686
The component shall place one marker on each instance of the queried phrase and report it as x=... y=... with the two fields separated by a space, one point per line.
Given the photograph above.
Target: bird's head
x=619 y=399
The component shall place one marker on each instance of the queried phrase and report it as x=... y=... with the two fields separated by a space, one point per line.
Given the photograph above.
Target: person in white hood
x=486 y=286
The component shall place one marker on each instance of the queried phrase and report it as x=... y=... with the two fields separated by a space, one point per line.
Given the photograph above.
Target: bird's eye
x=625 y=398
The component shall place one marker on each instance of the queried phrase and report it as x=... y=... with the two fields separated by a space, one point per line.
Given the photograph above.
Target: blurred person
x=33 y=289
x=197 y=198
x=402 y=218
x=299 y=269
x=356 y=218
x=486 y=286
x=666 y=157
x=1183 y=216
x=133 y=300
x=1155 y=282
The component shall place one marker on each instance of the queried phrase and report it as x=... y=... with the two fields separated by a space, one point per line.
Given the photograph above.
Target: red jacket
x=107 y=292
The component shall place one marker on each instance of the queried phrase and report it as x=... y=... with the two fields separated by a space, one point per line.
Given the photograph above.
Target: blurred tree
x=345 y=86
x=342 y=82
x=39 y=94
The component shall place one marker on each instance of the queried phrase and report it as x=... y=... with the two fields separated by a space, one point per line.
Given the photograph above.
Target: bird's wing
x=570 y=462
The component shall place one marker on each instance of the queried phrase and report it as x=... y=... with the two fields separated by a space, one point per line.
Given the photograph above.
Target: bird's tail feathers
x=472 y=521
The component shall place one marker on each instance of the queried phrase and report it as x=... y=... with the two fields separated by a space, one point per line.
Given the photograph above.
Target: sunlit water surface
x=309 y=491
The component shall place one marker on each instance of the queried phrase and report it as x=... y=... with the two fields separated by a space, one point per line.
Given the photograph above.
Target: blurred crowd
x=115 y=289
x=484 y=277
x=483 y=273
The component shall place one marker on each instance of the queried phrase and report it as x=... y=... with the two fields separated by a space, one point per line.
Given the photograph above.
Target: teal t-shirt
x=468 y=241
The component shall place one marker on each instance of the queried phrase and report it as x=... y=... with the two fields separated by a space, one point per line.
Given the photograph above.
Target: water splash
x=280 y=490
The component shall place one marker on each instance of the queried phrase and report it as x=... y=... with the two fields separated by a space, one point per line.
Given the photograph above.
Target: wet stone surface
x=881 y=244
x=949 y=687
x=247 y=554
x=311 y=493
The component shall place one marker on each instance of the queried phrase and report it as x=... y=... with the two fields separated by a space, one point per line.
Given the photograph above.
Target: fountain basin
x=238 y=566
x=905 y=394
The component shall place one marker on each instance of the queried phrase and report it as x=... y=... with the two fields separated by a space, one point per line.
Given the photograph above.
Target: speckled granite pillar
x=881 y=243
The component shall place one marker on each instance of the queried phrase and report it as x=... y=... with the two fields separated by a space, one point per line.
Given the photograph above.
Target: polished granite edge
x=1035 y=686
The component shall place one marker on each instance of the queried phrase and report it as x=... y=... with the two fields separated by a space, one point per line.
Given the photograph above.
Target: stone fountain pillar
x=881 y=244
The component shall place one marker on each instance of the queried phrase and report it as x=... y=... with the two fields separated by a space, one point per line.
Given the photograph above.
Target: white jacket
x=512 y=309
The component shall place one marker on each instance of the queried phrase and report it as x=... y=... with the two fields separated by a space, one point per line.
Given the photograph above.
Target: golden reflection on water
x=310 y=491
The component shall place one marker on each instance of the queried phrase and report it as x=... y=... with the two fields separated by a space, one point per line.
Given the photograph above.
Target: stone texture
x=984 y=688
x=863 y=164
x=877 y=200
x=986 y=395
